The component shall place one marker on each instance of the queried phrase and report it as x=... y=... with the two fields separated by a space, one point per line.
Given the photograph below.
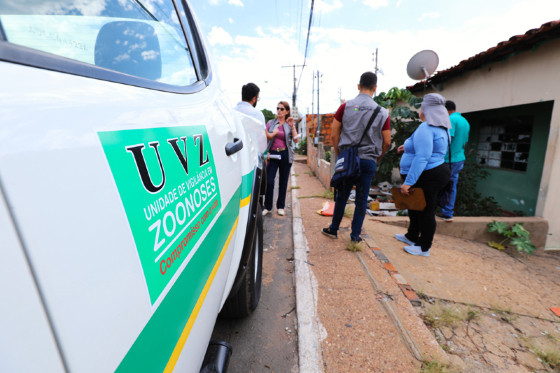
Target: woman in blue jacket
x=422 y=165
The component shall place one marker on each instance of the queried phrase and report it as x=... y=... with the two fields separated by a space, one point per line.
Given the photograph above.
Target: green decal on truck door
x=168 y=185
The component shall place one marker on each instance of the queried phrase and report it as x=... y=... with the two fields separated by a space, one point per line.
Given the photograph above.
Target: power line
x=307 y=41
x=308 y=31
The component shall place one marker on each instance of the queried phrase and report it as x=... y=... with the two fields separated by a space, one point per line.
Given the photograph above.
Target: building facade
x=509 y=95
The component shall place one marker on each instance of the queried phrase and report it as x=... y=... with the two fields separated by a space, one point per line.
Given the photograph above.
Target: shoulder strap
x=375 y=112
x=449 y=146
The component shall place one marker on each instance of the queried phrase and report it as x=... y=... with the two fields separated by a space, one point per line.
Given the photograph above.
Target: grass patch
x=296 y=175
x=552 y=358
x=354 y=246
x=505 y=314
x=551 y=337
x=435 y=367
x=472 y=315
x=348 y=212
x=295 y=187
x=326 y=194
x=439 y=315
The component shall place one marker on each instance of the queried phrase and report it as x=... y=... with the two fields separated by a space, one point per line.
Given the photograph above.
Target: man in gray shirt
x=349 y=124
x=249 y=97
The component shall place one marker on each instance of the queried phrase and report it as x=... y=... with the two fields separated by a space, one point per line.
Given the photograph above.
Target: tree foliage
x=404 y=122
x=268 y=115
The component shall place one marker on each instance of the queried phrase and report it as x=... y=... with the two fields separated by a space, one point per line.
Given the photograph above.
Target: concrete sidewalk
x=360 y=312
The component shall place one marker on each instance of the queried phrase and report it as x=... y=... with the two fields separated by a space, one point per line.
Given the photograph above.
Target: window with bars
x=505 y=142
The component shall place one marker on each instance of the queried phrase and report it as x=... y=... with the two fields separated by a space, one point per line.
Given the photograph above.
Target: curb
x=399 y=279
x=309 y=342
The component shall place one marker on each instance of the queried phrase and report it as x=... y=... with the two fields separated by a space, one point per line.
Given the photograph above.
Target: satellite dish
x=422 y=65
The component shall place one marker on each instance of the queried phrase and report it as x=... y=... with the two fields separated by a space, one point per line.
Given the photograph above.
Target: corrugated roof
x=504 y=49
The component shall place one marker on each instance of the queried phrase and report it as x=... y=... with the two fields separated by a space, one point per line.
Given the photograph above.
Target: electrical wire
x=306 y=42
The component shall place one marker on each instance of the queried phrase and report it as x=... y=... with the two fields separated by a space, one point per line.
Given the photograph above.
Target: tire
x=246 y=300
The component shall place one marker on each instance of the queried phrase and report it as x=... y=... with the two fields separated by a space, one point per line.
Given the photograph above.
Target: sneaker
x=281 y=212
x=445 y=217
x=359 y=239
x=403 y=238
x=416 y=250
x=327 y=232
x=265 y=211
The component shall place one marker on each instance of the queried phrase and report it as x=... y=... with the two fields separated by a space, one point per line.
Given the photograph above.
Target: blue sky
x=250 y=40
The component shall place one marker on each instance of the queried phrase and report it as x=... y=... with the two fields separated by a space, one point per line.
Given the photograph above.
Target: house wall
x=529 y=77
x=515 y=190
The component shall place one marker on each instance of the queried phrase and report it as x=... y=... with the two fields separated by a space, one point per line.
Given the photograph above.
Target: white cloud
x=235 y=2
x=432 y=15
x=342 y=54
x=214 y=2
x=377 y=3
x=230 y=20
x=325 y=6
x=258 y=57
x=219 y=36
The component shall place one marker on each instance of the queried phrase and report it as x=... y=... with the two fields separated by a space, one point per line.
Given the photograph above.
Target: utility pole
x=319 y=75
x=375 y=59
x=313 y=95
x=376 y=70
x=294 y=94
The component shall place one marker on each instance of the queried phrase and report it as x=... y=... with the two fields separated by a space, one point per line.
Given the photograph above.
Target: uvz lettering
x=202 y=162
x=138 y=155
x=141 y=166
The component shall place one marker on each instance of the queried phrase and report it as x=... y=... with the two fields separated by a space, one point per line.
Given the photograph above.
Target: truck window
x=141 y=38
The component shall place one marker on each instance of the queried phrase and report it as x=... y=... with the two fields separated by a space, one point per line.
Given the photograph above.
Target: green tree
x=268 y=115
x=404 y=121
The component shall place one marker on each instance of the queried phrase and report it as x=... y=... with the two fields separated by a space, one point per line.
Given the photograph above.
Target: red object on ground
x=327 y=210
x=556 y=310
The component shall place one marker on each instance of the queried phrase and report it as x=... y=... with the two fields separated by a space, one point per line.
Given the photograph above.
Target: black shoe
x=327 y=232
x=444 y=217
x=359 y=239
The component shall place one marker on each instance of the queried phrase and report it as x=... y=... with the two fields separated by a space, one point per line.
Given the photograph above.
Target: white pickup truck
x=129 y=190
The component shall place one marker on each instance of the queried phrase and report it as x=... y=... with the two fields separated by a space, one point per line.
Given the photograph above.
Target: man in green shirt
x=459 y=136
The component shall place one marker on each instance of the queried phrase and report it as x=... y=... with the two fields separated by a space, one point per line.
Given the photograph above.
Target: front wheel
x=246 y=300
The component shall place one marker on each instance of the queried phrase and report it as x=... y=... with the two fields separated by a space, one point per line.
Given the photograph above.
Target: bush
x=516 y=235
x=469 y=202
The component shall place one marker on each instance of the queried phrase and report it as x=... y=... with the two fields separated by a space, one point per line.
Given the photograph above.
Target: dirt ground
x=482 y=310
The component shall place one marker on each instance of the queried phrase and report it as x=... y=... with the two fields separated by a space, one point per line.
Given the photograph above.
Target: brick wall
x=326 y=128
x=316 y=154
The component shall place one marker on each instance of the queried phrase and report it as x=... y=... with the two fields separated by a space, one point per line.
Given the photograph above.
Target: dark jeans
x=456 y=167
x=367 y=171
x=283 y=165
x=423 y=223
